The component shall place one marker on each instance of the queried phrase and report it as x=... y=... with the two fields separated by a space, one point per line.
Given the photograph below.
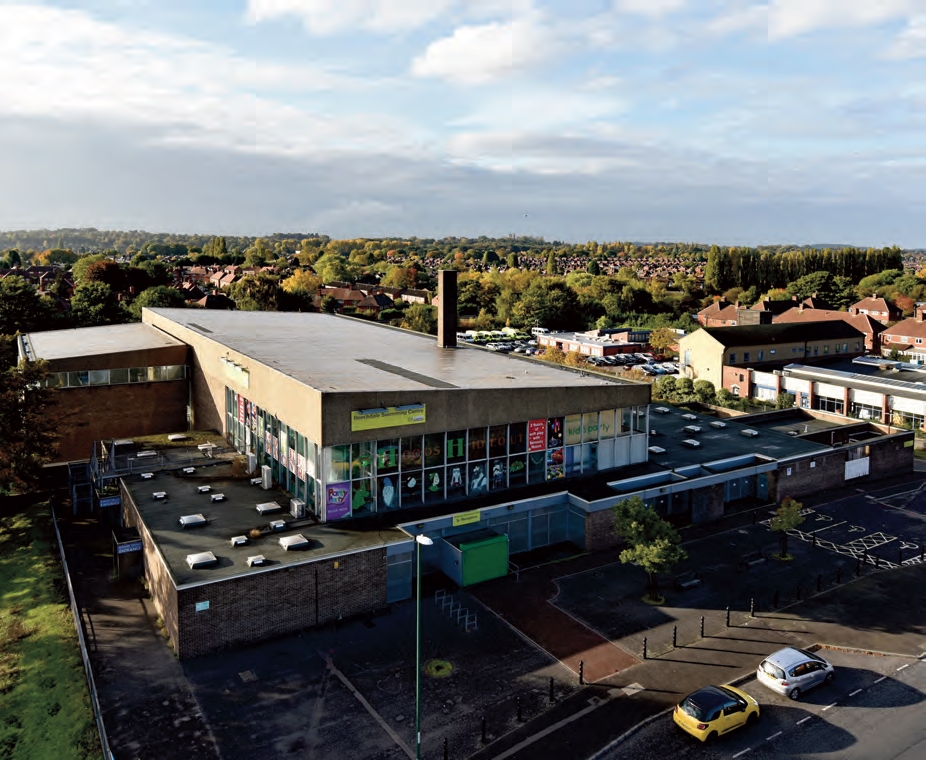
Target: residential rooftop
x=787 y=332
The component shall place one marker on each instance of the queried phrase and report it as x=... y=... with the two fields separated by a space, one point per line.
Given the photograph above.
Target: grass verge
x=45 y=711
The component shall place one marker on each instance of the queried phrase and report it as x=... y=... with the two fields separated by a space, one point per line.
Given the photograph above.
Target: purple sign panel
x=337 y=501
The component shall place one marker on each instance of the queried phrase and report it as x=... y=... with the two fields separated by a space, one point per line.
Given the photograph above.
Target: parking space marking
x=827 y=527
x=777 y=733
x=829 y=706
x=853 y=693
x=879 y=680
x=804 y=720
x=903 y=666
x=743 y=752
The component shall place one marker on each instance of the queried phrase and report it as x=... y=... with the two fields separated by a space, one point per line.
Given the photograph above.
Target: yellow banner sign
x=390 y=416
x=466 y=518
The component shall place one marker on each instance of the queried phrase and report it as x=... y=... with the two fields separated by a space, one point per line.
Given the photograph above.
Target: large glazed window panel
x=606 y=423
x=590 y=427
x=499 y=479
x=434 y=450
x=639 y=419
x=456 y=481
x=388 y=492
x=573 y=429
x=537 y=467
x=478 y=479
x=412 y=488
x=517 y=437
x=362 y=460
x=554 y=432
x=387 y=456
x=517 y=471
x=411 y=453
x=456 y=446
x=477 y=444
x=337 y=463
x=498 y=441
x=434 y=483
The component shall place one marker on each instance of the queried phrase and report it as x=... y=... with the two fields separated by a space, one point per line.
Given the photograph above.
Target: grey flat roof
x=234 y=517
x=91 y=341
x=903 y=380
x=717 y=443
x=331 y=353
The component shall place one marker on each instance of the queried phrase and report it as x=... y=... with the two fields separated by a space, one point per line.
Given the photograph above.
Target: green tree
x=22 y=309
x=257 y=292
x=652 y=543
x=512 y=260
x=30 y=425
x=705 y=391
x=784 y=400
x=661 y=338
x=724 y=397
x=83 y=263
x=551 y=264
x=787 y=517
x=160 y=297
x=421 y=318
x=664 y=387
x=94 y=304
x=332 y=268
x=551 y=303
x=684 y=389
x=593 y=268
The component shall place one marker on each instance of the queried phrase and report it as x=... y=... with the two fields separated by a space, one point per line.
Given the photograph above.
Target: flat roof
x=717 y=443
x=91 y=341
x=901 y=378
x=357 y=355
x=236 y=516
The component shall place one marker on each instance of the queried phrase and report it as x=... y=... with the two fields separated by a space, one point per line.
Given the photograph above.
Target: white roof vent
x=653 y=431
x=256 y=560
x=294 y=542
x=159 y=495
x=192 y=521
x=203 y=489
x=662 y=410
x=749 y=433
x=145 y=454
x=239 y=540
x=656 y=450
x=176 y=437
x=203 y=559
x=217 y=497
x=691 y=429
x=689 y=416
x=691 y=443
x=718 y=424
x=278 y=525
x=268 y=508
x=189 y=470
x=147 y=475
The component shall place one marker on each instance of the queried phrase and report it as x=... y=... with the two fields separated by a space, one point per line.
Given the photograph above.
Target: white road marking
x=853 y=693
x=829 y=706
x=803 y=720
x=828 y=527
x=879 y=680
x=904 y=666
x=743 y=752
x=777 y=733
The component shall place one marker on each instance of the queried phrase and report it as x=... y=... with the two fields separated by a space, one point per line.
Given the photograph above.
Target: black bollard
x=752 y=607
x=900 y=557
x=865 y=557
x=702 y=626
x=838 y=575
x=728 y=616
x=552 y=695
x=798 y=592
x=644 y=647
x=581 y=672
x=483 y=730
x=775 y=600
x=819 y=582
x=858 y=566
x=520 y=716
x=674 y=636
x=876 y=559
x=446 y=751
x=815 y=540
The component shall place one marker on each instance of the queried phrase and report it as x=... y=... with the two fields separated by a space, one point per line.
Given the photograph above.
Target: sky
x=720 y=121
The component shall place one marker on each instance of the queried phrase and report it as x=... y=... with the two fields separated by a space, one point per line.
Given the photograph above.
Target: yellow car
x=714 y=710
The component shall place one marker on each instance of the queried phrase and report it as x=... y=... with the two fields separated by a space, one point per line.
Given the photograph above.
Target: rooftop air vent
x=297 y=508
x=256 y=560
x=159 y=495
x=203 y=489
x=217 y=497
x=662 y=410
x=689 y=417
x=278 y=525
x=693 y=429
x=294 y=542
x=147 y=475
x=718 y=424
x=203 y=559
x=192 y=521
x=189 y=470
x=656 y=450
x=653 y=431
x=691 y=443
x=239 y=540
x=749 y=433
x=145 y=454
x=269 y=507
x=793 y=432
x=176 y=437
x=256 y=481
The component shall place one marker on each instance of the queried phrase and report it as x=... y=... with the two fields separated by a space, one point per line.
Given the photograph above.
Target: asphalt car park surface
x=873 y=709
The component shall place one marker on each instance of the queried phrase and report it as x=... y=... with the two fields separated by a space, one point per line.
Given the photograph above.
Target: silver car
x=792 y=671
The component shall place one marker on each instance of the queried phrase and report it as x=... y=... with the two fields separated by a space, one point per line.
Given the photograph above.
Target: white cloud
x=788 y=18
x=740 y=19
x=655 y=8
x=912 y=41
x=483 y=53
x=332 y=16
x=66 y=65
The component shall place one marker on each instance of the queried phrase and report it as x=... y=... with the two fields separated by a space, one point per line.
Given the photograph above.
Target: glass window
x=499 y=470
x=478 y=479
x=337 y=462
x=362 y=496
x=387 y=456
x=98 y=377
x=517 y=471
x=55 y=379
x=77 y=379
x=573 y=429
x=434 y=484
x=536 y=467
x=477 y=443
x=433 y=449
x=310 y=458
x=456 y=481
x=411 y=488
x=388 y=494
x=498 y=440
x=639 y=419
x=606 y=423
x=590 y=457
x=456 y=446
x=138 y=375
x=554 y=432
x=517 y=437
x=590 y=426
x=555 y=467
x=411 y=453
x=572 y=464
x=361 y=460
x=623 y=420
x=156 y=373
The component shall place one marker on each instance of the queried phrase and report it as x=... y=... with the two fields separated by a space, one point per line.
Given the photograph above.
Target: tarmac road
x=874 y=709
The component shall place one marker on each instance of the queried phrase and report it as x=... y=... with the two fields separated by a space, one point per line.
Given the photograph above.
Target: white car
x=792 y=671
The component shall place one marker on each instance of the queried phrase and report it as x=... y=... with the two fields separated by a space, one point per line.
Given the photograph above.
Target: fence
x=82 y=640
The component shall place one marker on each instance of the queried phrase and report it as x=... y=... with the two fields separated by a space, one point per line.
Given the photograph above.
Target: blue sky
x=730 y=121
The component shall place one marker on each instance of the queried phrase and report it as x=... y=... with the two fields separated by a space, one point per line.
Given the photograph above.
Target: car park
x=792 y=671
x=670 y=369
x=648 y=370
x=715 y=710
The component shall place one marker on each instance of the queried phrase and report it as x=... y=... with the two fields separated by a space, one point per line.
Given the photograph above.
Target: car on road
x=714 y=710
x=792 y=671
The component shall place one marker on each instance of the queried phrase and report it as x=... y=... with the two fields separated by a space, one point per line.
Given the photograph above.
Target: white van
x=539 y=331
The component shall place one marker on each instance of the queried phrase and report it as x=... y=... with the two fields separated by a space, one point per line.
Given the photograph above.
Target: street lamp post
x=420 y=540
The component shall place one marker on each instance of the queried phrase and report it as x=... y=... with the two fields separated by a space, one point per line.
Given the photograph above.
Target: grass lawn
x=45 y=708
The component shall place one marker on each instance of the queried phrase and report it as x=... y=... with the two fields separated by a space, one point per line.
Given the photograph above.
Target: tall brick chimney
x=447 y=308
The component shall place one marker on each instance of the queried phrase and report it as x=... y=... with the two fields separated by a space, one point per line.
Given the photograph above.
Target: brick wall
x=120 y=411
x=828 y=472
x=277 y=602
x=599 y=531
x=707 y=503
x=891 y=457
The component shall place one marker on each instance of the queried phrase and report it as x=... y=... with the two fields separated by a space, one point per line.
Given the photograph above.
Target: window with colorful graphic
x=337 y=501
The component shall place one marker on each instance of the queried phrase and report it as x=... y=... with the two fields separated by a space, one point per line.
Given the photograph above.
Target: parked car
x=792 y=671
x=714 y=710
x=670 y=369
x=648 y=370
